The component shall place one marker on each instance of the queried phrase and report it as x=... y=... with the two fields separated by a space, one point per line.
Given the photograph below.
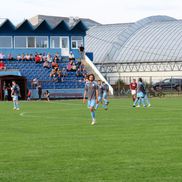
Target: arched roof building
x=153 y=44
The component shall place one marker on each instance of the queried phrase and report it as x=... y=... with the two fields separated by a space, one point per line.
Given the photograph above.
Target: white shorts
x=133 y=92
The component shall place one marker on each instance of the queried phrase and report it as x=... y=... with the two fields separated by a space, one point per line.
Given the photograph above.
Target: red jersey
x=133 y=86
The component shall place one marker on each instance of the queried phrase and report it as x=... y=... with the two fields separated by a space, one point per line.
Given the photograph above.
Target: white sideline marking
x=24 y=114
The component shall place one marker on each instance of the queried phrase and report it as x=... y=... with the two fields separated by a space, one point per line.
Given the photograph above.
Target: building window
x=5 y=42
x=42 y=42
x=55 y=42
x=20 y=42
x=31 y=42
x=76 y=42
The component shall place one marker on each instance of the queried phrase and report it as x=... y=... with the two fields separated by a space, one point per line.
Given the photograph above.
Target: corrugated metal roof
x=156 y=38
x=99 y=39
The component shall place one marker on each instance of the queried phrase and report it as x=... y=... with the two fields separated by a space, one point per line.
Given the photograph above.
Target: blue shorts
x=105 y=95
x=15 y=97
x=140 y=94
x=91 y=103
x=99 y=98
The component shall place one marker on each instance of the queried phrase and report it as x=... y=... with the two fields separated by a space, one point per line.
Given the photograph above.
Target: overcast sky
x=103 y=11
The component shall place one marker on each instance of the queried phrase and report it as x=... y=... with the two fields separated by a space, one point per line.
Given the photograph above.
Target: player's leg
x=99 y=101
x=105 y=100
x=92 y=110
x=147 y=100
x=17 y=103
x=14 y=102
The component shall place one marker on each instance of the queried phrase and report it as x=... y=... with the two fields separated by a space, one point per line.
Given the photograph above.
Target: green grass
x=54 y=142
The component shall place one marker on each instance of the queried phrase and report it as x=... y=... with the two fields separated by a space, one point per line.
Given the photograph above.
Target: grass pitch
x=54 y=142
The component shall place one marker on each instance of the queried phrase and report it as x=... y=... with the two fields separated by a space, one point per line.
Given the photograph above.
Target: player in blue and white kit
x=140 y=94
x=15 y=92
x=105 y=95
x=91 y=91
x=100 y=93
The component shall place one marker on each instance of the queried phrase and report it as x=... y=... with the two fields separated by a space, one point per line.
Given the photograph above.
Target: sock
x=14 y=103
x=97 y=105
x=136 y=100
x=17 y=105
x=93 y=115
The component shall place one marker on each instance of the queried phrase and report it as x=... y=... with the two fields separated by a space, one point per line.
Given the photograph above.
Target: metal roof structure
x=152 y=39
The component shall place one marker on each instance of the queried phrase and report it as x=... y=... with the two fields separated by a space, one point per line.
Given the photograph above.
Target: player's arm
x=84 y=96
x=97 y=95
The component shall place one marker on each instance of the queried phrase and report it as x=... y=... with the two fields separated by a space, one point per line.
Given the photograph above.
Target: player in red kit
x=133 y=89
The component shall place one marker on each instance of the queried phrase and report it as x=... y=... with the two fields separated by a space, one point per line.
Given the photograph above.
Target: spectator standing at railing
x=82 y=52
x=35 y=83
x=40 y=91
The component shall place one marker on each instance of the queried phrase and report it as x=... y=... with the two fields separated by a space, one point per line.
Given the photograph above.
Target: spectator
x=18 y=57
x=31 y=57
x=56 y=74
x=46 y=64
x=10 y=57
x=56 y=57
x=55 y=64
x=23 y=57
x=71 y=56
x=44 y=57
x=69 y=66
x=29 y=95
x=82 y=66
x=40 y=91
x=47 y=95
x=35 y=83
x=27 y=57
x=78 y=73
x=64 y=73
x=2 y=65
x=49 y=58
x=37 y=58
x=82 y=52
x=1 y=56
x=73 y=68
x=84 y=73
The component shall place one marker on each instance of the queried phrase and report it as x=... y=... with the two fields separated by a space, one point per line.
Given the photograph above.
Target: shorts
x=133 y=92
x=91 y=103
x=105 y=95
x=15 y=98
x=140 y=94
x=99 y=98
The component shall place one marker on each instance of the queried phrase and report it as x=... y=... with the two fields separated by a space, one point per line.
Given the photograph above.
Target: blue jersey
x=91 y=88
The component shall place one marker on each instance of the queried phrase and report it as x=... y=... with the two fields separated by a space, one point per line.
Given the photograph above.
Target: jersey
x=91 y=88
x=16 y=90
x=133 y=86
x=100 y=90
x=105 y=88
